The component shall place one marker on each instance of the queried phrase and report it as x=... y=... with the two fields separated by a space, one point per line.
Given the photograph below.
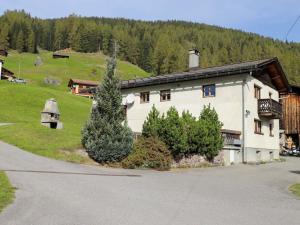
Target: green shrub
x=149 y=153
x=186 y=135
x=210 y=128
x=172 y=132
x=152 y=124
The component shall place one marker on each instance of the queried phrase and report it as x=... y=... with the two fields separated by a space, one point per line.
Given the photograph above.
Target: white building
x=245 y=96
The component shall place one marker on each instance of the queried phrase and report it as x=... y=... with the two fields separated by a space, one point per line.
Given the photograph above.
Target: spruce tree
x=104 y=136
x=20 y=42
x=4 y=44
x=211 y=140
x=152 y=124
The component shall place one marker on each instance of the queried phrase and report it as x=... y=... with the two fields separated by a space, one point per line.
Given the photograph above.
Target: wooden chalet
x=57 y=55
x=290 y=122
x=3 y=52
x=82 y=87
x=7 y=74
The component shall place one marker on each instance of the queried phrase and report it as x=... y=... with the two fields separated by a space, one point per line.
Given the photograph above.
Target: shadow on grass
x=72 y=173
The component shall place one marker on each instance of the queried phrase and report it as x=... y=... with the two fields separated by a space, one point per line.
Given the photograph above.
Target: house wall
x=188 y=95
x=260 y=147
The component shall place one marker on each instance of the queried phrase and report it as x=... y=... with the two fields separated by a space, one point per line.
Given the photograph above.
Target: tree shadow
x=73 y=173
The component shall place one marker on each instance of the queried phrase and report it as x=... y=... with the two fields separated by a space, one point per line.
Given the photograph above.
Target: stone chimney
x=194 y=57
x=50 y=115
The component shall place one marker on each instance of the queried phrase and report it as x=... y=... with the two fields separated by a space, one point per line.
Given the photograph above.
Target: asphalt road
x=52 y=192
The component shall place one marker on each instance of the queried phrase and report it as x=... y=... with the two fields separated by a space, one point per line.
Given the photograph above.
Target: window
x=271 y=129
x=209 y=90
x=257 y=127
x=165 y=95
x=145 y=97
x=257 y=91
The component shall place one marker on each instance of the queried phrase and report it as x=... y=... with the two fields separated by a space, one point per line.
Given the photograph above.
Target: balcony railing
x=269 y=108
x=231 y=137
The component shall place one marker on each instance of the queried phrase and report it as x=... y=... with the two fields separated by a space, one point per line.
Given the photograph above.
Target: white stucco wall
x=189 y=96
x=256 y=140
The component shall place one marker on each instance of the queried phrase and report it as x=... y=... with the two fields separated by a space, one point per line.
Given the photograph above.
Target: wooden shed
x=3 y=52
x=82 y=87
x=57 y=55
x=291 y=114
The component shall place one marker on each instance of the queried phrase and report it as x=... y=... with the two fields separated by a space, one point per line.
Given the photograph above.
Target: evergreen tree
x=4 y=44
x=31 y=43
x=172 y=133
x=209 y=133
x=104 y=136
x=152 y=124
x=20 y=42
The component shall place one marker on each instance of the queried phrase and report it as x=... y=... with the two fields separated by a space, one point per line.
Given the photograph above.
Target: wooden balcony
x=269 y=108
x=231 y=137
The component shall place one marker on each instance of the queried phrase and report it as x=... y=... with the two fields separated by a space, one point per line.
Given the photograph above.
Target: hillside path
x=51 y=192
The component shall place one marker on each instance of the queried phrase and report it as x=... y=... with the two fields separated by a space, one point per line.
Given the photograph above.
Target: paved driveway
x=69 y=194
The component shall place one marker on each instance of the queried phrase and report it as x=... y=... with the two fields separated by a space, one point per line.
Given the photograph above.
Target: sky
x=271 y=18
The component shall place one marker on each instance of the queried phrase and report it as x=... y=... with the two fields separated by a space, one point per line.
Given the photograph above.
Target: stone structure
x=50 y=115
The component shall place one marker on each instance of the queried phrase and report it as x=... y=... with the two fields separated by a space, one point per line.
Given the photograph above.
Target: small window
x=257 y=127
x=257 y=91
x=145 y=97
x=209 y=90
x=271 y=127
x=165 y=95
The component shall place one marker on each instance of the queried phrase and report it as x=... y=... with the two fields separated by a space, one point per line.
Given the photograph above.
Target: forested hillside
x=157 y=47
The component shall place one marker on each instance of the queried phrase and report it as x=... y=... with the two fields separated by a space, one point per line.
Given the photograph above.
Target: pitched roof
x=83 y=82
x=6 y=71
x=201 y=73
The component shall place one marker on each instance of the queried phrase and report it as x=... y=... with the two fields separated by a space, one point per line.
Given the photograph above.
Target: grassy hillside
x=21 y=104
x=90 y=66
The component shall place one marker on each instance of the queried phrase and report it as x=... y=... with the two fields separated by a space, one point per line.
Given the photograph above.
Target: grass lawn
x=6 y=191
x=295 y=189
x=21 y=104
x=86 y=66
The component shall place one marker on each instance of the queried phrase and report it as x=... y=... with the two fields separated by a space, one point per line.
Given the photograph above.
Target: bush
x=212 y=141
x=186 y=135
x=149 y=153
x=172 y=132
x=152 y=124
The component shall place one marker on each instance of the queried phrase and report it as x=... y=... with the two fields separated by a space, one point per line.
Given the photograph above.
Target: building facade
x=245 y=96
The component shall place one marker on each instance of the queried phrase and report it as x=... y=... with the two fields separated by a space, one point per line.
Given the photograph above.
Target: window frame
x=167 y=93
x=145 y=97
x=258 y=127
x=210 y=95
x=257 y=91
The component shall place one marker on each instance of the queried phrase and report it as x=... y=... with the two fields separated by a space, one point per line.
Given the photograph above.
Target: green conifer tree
x=104 y=136
x=20 y=42
x=152 y=124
